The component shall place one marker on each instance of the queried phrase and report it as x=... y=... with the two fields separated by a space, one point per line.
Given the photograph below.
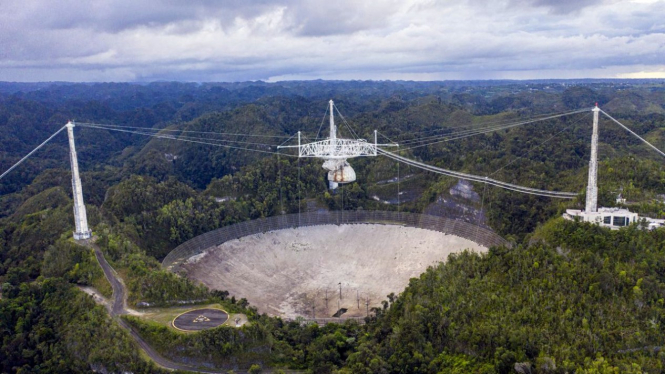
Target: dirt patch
x=298 y=272
x=99 y=299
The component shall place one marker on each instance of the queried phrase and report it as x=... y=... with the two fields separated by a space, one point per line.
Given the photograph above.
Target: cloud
x=654 y=74
x=566 y=6
x=118 y=15
x=206 y=40
x=319 y=18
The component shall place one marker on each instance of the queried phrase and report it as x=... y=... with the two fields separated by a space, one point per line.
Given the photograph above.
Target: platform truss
x=335 y=151
x=338 y=149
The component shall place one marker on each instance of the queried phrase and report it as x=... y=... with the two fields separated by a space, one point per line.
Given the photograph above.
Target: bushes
x=75 y=263
x=49 y=326
x=221 y=346
x=144 y=277
x=577 y=291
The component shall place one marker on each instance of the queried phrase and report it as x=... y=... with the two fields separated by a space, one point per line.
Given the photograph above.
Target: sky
x=273 y=40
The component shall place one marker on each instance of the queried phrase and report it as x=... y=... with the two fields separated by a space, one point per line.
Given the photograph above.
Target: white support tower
x=614 y=218
x=333 y=128
x=592 y=185
x=80 y=216
x=335 y=151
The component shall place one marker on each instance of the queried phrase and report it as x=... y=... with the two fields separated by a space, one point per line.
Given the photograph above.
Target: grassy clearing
x=164 y=316
x=102 y=285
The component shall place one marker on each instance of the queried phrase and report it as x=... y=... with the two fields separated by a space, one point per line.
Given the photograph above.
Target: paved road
x=119 y=292
x=119 y=307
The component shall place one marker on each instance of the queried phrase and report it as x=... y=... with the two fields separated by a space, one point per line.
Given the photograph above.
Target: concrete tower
x=80 y=216
x=333 y=128
x=333 y=137
x=592 y=185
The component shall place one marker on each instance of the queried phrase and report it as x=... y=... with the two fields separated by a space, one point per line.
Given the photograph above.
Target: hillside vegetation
x=572 y=297
x=567 y=297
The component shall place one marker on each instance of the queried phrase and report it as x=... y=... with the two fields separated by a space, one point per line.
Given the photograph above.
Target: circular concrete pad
x=316 y=271
x=200 y=319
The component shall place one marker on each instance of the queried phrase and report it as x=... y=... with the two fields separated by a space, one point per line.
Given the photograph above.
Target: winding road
x=119 y=308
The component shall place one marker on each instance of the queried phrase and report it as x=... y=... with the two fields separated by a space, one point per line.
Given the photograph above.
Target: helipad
x=200 y=319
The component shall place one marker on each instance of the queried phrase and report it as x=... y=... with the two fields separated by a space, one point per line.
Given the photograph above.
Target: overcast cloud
x=235 y=40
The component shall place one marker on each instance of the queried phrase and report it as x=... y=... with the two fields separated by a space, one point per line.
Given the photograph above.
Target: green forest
x=567 y=297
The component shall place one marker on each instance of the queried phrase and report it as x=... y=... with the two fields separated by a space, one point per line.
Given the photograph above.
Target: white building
x=608 y=217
